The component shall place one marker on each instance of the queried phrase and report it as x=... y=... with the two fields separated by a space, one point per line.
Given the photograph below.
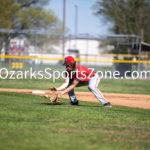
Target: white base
x=38 y=92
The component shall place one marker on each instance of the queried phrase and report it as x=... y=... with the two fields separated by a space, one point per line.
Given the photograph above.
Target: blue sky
x=87 y=21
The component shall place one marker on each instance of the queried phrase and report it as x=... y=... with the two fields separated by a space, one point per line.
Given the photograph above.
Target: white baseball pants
x=92 y=85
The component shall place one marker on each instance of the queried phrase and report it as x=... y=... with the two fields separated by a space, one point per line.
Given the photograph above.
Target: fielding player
x=78 y=75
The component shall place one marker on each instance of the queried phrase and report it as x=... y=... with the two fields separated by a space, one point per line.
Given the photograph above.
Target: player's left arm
x=71 y=87
x=64 y=85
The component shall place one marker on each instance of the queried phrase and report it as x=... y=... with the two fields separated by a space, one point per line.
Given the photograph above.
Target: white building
x=88 y=50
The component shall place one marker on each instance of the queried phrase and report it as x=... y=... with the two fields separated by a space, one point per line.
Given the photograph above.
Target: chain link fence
x=39 y=51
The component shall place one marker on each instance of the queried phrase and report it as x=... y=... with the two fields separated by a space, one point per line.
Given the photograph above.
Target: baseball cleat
x=107 y=105
x=74 y=103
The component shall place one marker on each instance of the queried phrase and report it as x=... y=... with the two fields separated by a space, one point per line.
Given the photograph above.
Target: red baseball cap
x=69 y=60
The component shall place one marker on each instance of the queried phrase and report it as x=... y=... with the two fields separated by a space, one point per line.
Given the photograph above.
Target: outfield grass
x=106 y=85
x=29 y=122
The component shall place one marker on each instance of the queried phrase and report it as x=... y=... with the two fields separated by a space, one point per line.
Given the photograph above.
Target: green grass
x=29 y=122
x=106 y=85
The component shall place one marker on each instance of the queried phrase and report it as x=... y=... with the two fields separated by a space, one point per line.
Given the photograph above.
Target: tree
x=28 y=14
x=128 y=16
x=6 y=12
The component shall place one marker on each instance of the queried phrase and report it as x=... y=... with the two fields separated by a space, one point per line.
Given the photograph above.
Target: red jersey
x=81 y=73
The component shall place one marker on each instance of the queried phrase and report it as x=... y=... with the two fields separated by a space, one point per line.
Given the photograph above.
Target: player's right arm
x=71 y=87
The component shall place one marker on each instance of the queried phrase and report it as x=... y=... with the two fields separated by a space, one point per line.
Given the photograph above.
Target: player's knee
x=91 y=88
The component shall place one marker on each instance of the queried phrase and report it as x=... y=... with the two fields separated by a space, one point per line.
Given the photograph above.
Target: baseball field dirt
x=130 y=100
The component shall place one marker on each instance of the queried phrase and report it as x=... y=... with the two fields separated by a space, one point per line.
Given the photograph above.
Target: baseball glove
x=56 y=99
x=53 y=89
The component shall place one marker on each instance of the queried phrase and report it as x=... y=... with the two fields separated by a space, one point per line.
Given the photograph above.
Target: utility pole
x=64 y=29
x=76 y=24
x=87 y=47
x=140 y=47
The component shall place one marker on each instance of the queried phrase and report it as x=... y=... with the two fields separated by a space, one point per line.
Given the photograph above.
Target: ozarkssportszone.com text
x=48 y=73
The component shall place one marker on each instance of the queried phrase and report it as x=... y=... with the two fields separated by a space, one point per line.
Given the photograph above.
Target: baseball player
x=78 y=75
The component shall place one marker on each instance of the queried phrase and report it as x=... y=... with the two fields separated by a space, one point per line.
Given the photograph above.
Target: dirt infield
x=130 y=100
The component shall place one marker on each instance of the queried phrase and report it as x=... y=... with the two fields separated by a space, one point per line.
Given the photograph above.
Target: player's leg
x=72 y=96
x=93 y=84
